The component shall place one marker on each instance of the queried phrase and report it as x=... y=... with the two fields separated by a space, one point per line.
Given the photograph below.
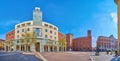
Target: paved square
x=67 y=56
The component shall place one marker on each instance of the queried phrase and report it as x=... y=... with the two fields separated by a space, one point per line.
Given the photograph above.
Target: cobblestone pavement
x=104 y=57
x=11 y=56
x=67 y=56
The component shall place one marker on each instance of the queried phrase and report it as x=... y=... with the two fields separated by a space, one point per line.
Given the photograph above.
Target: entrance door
x=37 y=46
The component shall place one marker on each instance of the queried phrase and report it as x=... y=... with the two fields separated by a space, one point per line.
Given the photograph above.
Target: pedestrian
x=116 y=53
x=111 y=53
x=107 y=52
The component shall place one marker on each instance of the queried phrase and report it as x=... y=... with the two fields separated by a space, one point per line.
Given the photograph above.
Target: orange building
x=83 y=43
x=2 y=44
x=62 y=39
x=10 y=35
x=69 y=40
x=107 y=43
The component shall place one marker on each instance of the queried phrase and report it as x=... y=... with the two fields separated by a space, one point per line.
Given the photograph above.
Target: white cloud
x=114 y=16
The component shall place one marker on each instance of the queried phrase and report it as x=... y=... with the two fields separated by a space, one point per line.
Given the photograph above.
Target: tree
x=28 y=38
x=62 y=43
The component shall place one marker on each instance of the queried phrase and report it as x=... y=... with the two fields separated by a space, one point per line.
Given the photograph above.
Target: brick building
x=83 y=43
x=10 y=35
x=69 y=40
x=107 y=43
x=2 y=44
x=62 y=40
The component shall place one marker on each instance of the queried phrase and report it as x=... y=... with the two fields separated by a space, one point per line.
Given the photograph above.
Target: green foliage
x=28 y=38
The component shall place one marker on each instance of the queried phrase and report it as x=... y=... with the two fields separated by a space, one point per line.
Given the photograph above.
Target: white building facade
x=46 y=35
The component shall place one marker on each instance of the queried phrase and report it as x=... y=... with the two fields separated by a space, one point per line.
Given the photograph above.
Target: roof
x=2 y=40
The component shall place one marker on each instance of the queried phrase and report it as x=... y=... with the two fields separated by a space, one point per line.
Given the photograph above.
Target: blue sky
x=71 y=16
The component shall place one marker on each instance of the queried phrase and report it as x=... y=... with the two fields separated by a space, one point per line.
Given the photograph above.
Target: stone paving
x=11 y=56
x=104 y=57
x=66 y=56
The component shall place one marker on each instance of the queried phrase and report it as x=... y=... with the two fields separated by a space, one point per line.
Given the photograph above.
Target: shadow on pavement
x=115 y=58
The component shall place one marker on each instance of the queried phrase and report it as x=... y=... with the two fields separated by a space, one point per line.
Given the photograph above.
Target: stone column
x=57 y=48
x=32 y=47
x=25 y=48
x=14 y=47
x=48 y=48
x=52 y=48
x=20 y=47
x=41 y=47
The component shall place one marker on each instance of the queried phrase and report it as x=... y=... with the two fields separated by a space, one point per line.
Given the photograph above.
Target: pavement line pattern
x=91 y=58
x=40 y=56
x=8 y=54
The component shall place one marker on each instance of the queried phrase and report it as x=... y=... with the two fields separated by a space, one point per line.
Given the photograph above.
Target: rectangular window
x=22 y=30
x=38 y=32
x=18 y=31
x=55 y=33
x=50 y=32
x=17 y=36
x=51 y=37
x=17 y=41
x=46 y=36
x=46 y=30
x=28 y=29
x=55 y=38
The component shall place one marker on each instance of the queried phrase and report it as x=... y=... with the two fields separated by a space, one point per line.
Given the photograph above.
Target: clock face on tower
x=37 y=17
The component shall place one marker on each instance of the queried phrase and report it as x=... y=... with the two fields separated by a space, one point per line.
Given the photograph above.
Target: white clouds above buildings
x=114 y=16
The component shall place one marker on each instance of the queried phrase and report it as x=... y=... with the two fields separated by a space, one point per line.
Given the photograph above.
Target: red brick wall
x=61 y=36
x=69 y=39
x=10 y=35
x=103 y=41
x=83 y=43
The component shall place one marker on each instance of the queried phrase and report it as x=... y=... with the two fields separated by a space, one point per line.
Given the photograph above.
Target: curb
x=40 y=56
x=91 y=58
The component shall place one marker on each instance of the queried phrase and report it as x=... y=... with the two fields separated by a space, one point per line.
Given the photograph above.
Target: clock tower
x=37 y=17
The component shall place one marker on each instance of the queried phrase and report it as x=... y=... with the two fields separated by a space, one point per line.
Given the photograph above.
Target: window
x=46 y=36
x=23 y=24
x=50 y=36
x=17 y=41
x=22 y=30
x=46 y=25
x=50 y=32
x=18 y=31
x=55 y=33
x=46 y=30
x=17 y=36
x=55 y=38
x=55 y=28
x=18 y=26
x=28 y=29
x=51 y=26
x=29 y=23
x=38 y=32
x=12 y=33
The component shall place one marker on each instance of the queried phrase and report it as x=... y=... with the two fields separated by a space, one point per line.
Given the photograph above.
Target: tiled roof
x=2 y=40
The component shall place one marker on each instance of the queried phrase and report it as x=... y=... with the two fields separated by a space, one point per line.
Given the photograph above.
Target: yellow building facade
x=2 y=44
x=118 y=13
